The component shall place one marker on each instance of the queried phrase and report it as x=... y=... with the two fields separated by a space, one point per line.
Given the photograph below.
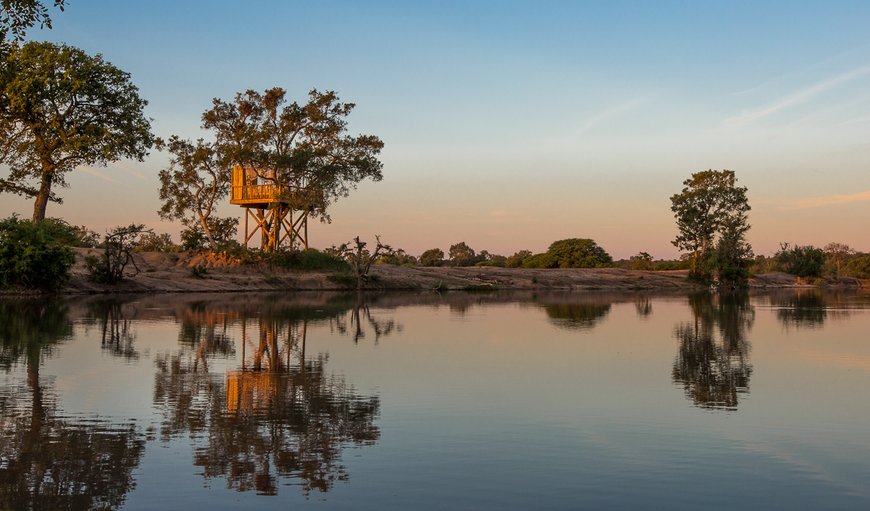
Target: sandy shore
x=173 y=272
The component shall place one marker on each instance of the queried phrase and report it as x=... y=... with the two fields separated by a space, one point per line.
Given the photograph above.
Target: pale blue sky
x=509 y=125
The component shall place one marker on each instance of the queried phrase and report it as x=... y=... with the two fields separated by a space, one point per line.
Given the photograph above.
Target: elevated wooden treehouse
x=277 y=212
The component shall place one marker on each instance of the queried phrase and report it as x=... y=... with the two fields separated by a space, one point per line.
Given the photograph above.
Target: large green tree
x=301 y=146
x=711 y=209
x=61 y=108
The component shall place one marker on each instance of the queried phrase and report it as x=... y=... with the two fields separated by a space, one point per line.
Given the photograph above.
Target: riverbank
x=193 y=272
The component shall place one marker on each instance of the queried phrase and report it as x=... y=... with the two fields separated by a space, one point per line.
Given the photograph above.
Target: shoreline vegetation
x=202 y=271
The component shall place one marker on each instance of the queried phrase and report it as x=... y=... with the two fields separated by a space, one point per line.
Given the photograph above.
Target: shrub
x=641 y=261
x=308 y=259
x=118 y=253
x=65 y=234
x=153 y=242
x=570 y=253
x=31 y=258
x=859 y=267
x=432 y=257
x=806 y=261
x=516 y=260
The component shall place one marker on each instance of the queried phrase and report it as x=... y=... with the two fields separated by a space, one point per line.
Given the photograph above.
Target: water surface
x=427 y=401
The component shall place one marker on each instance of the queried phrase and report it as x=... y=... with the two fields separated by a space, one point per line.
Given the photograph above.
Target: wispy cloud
x=609 y=113
x=96 y=173
x=832 y=200
x=796 y=98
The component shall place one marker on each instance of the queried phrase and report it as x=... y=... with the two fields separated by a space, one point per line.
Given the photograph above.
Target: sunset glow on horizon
x=509 y=125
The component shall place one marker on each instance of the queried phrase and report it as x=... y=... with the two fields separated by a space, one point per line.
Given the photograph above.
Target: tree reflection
x=117 y=335
x=807 y=308
x=48 y=461
x=712 y=363
x=279 y=419
x=359 y=315
x=577 y=316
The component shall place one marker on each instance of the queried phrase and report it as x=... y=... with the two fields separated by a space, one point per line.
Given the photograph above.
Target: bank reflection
x=712 y=362
x=809 y=308
x=279 y=417
x=48 y=460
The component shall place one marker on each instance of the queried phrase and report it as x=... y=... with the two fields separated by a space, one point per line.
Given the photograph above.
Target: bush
x=516 y=260
x=65 y=234
x=570 y=253
x=641 y=261
x=859 y=267
x=31 y=258
x=432 y=257
x=118 y=253
x=308 y=259
x=153 y=242
x=806 y=261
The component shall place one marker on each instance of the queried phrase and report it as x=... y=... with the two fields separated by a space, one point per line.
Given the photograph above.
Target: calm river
x=426 y=401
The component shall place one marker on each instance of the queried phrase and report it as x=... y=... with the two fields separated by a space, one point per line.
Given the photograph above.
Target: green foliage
x=432 y=257
x=577 y=253
x=222 y=230
x=296 y=146
x=397 y=258
x=308 y=259
x=538 y=261
x=712 y=207
x=117 y=254
x=641 y=261
x=153 y=242
x=70 y=235
x=462 y=255
x=60 y=109
x=516 y=260
x=859 y=267
x=31 y=258
x=16 y=16
x=803 y=261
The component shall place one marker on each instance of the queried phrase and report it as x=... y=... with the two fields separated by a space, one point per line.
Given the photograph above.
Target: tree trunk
x=41 y=201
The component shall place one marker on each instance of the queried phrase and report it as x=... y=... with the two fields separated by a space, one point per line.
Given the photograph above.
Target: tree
x=641 y=261
x=16 y=16
x=709 y=205
x=462 y=255
x=119 y=245
x=516 y=260
x=803 y=261
x=300 y=147
x=192 y=186
x=577 y=253
x=61 y=108
x=432 y=257
x=360 y=258
x=837 y=254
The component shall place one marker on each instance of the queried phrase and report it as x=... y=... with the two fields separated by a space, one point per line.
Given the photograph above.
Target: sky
x=511 y=124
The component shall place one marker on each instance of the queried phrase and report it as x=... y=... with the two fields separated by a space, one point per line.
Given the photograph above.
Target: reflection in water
x=48 y=461
x=807 y=308
x=352 y=322
x=643 y=306
x=712 y=363
x=279 y=419
x=116 y=331
x=579 y=316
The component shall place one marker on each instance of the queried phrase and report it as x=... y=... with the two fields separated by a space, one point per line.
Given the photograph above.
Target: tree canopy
x=16 y=16
x=299 y=146
x=61 y=108
x=712 y=208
